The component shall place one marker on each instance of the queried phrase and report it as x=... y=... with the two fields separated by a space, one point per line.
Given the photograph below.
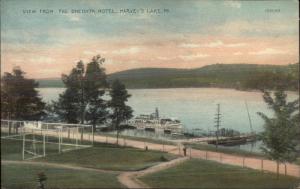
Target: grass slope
x=109 y=157
x=15 y=176
x=207 y=174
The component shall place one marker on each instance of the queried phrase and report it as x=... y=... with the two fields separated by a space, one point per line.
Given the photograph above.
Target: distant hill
x=243 y=76
x=50 y=83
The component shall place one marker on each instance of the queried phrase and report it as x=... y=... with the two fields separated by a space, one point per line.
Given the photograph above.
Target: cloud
x=89 y=52
x=124 y=51
x=42 y=60
x=236 y=45
x=164 y=58
x=237 y=53
x=73 y=17
x=233 y=4
x=268 y=51
x=193 y=57
x=258 y=27
x=94 y=53
x=212 y=44
x=189 y=45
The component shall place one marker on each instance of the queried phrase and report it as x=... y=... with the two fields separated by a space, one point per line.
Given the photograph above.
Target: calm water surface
x=195 y=107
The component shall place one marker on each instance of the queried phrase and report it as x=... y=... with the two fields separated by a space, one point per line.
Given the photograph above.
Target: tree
x=19 y=98
x=94 y=88
x=120 y=111
x=70 y=102
x=281 y=133
x=82 y=100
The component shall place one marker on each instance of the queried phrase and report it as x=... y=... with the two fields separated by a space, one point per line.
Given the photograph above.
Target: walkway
x=130 y=179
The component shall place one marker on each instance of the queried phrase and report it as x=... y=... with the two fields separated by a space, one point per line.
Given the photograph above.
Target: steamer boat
x=154 y=123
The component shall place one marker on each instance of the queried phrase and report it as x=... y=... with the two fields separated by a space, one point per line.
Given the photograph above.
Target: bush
x=163 y=158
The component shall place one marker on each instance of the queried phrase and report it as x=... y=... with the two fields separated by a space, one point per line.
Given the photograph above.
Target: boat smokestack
x=156 y=113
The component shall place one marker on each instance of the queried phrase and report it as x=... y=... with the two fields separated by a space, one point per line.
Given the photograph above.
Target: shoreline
x=242 y=90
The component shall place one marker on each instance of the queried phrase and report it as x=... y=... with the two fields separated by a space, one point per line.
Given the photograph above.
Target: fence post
x=285 y=169
x=190 y=153
x=262 y=165
x=59 y=145
x=23 y=154
x=77 y=137
x=93 y=136
x=206 y=155
x=220 y=157
x=47 y=131
x=243 y=162
x=62 y=136
x=44 y=144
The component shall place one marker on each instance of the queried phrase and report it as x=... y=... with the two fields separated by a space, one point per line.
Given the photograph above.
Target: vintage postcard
x=150 y=94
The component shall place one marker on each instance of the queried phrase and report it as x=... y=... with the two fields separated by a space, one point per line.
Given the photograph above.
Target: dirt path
x=130 y=179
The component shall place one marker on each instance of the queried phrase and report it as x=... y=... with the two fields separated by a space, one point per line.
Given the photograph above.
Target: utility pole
x=250 y=122
x=217 y=122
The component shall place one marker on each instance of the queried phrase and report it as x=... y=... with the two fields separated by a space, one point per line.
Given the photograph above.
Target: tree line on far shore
x=238 y=76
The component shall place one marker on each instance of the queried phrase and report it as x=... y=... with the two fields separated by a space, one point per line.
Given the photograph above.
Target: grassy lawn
x=207 y=174
x=25 y=176
x=101 y=156
x=109 y=157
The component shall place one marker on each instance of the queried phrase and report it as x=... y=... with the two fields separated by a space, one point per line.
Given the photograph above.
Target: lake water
x=195 y=107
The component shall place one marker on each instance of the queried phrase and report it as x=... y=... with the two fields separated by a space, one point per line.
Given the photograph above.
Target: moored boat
x=154 y=123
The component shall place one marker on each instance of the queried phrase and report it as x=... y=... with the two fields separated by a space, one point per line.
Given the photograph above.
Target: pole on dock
x=218 y=122
x=250 y=122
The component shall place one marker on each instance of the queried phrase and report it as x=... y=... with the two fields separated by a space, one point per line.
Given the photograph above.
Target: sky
x=145 y=33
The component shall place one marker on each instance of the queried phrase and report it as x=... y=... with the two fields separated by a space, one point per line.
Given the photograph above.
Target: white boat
x=152 y=122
